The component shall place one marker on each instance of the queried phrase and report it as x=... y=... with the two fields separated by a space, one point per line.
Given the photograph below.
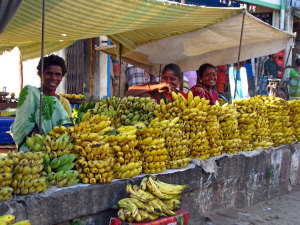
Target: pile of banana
x=151 y=144
x=127 y=111
x=261 y=136
x=276 y=117
x=246 y=109
x=287 y=127
x=27 y=172
x=9 y=219
x=6 y=169
x=59 y=170
x=153 y=199
x=56 y=143
x=295 y=117
x=212 y=128
x=228 y=118
x=192 y=114
x=122 y=146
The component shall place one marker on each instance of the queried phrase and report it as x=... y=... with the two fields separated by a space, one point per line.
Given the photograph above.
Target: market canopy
x=137 y=21
x=217 y=44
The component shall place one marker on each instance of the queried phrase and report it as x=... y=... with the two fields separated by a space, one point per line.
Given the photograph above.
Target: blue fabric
x=249 y=70
x=239 y=92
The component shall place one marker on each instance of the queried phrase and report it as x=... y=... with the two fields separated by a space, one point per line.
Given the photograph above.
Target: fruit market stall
x=118 y=138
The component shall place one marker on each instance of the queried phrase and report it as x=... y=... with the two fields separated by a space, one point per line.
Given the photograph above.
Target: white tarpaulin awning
x=217 y=44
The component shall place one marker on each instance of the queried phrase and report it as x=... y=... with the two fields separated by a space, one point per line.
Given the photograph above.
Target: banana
x=8 y=219
x=123 y=203
x=23 y=222
x=143 y=184
x=155 y=190
x=121 y=214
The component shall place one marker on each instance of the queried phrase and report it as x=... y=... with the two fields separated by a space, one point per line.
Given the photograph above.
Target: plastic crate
x=180 y=219
x=5 y=123
x=5 y=138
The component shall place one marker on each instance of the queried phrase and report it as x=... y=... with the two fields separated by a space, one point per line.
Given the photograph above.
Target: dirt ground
x=283 y=210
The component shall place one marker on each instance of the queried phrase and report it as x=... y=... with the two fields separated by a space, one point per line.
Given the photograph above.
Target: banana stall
x=116 y=141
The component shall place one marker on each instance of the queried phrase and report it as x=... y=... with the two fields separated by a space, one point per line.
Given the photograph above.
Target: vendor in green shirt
x=271 y=66
x=295 y=80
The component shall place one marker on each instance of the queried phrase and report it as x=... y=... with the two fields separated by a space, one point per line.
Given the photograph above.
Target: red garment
x=221 y=79
x=202 y=92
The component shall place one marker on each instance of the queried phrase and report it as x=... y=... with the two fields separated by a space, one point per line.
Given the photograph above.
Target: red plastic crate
x=180 y=219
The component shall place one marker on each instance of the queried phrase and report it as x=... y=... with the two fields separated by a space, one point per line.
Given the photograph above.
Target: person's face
x=274 y=56
x=170 y=78
x=209 y=77
x=52 y=77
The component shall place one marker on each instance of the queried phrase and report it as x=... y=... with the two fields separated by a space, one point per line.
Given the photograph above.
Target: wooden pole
x=120 y=71
x=92 y=69
x=21 y=73
x=42 y=68
x=239 y=55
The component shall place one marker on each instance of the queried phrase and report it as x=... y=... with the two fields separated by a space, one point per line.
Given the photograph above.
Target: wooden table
x=4 y=105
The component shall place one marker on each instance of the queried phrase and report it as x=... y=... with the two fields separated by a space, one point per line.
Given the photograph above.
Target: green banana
x=55 y=163
x=46 y=159
x=62 y=183
x=65 y=167
x=60 y=175
x=51 y=176
x=71 y=174
x=47 y=140
x=30 y=142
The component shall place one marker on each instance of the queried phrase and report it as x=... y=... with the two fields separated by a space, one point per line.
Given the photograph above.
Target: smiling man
x=56 y=110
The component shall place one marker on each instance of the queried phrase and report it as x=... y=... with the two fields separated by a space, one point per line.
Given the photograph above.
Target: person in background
x=221 y=79
x=136 y=76
x=207 y=78
x=295 y=80
x=56 y=110
x=271 y=67
x=170 y=81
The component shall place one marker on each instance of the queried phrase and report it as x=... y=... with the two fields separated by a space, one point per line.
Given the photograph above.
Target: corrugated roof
x=129 y=22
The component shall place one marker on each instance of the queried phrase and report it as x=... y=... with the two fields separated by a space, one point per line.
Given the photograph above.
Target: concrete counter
x=221 y=182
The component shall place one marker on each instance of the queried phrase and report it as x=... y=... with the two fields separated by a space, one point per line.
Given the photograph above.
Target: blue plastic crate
x=5 y=123
x=5 y=138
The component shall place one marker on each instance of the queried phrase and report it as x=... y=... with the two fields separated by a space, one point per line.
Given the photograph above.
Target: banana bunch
x=59 y=170
x=95 y=171
x=247 y=114
x=88 y=137
x=213 y=133
x=295 y=117
x=127 y=111
x=27 y=173
x=122 y=144
x=54 y=145
x=189 y=115
x=186 y=109
x=6 y=169
x=9 y=219
x=278 y=115
x=153 y=199
x=261 y=136
x=228 y=118
x=151 y=144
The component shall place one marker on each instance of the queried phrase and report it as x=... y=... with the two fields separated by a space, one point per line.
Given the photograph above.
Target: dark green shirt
x=272 y=67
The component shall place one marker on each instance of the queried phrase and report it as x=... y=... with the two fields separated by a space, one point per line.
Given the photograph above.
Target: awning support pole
x=42 y=68
x=92 y=69
x=21 y=73
x=120 y=68
x=239 y=55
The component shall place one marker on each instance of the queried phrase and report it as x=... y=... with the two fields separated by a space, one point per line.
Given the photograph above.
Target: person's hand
x=163 y=87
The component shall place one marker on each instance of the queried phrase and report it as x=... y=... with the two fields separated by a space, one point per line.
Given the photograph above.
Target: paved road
x=283 y=210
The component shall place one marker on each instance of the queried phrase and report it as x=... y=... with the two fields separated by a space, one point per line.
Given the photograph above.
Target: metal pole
x=42 y=68
x=120 y=71
x=238 y=66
